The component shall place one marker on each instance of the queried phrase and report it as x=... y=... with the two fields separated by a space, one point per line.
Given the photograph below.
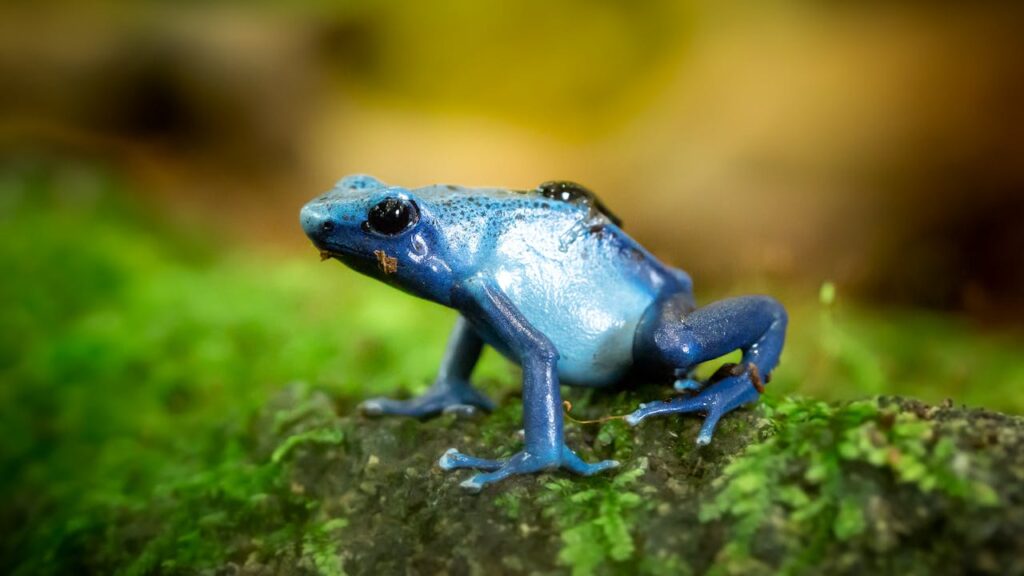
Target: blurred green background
x=863 y=161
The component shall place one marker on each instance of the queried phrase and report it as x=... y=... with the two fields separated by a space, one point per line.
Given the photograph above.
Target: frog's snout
x=317 y=223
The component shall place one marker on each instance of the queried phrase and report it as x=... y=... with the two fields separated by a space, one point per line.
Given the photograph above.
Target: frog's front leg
x=542 y=403
x=451 y=391
x=675 y=335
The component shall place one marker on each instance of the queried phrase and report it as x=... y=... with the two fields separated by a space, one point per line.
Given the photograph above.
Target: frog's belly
x=591 y=359
x=592 y=327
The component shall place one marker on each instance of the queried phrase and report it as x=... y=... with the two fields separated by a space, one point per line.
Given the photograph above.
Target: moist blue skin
x=555 y=285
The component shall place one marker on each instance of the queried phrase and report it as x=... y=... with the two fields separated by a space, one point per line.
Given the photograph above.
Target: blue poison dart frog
x=549 y=279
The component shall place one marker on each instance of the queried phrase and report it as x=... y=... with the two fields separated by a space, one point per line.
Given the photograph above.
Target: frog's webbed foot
x=686 y=380
x=731 y=387
x=443 y=397
x=524 y=462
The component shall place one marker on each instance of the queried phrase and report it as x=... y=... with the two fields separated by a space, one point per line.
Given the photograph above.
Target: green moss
x=596 y=518
x=805 y=482
x=244 y=507
x=322 y=436
x=616 y=437
x=495 y=431
x=509 y=504
x=320 y=545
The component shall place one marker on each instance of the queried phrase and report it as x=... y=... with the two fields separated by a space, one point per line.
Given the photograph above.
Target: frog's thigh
x=674 y=334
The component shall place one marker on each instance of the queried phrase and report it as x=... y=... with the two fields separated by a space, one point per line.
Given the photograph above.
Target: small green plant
x=321 y=545
x=595 y=518
x=316 y=436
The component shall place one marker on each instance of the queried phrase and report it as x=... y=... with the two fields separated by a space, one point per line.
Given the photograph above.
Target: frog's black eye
x=391 y=216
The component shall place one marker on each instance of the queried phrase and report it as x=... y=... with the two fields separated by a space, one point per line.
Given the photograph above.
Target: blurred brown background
x=876 y=145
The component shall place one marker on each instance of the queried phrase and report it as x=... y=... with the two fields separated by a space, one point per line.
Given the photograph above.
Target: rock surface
x=886 y=485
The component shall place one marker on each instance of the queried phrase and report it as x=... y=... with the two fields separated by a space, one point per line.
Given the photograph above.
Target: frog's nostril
x=317 y=221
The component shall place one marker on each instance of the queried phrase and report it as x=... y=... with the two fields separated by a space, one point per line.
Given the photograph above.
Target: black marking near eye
x=576 y=194
x=391 y=216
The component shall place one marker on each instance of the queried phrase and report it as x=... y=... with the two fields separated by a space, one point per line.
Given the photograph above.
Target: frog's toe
x=462 y=410
x=469 y=396
x=687 y=385
x=521 y=463
x=460 y=400
x=371 y=407
x=715 y=401
x=573 y=463
x=474 y=484
x=511 y=468
x=707 y=429
x=723 y=397
x=672 y=406
x=452 y=459
x=418 y=407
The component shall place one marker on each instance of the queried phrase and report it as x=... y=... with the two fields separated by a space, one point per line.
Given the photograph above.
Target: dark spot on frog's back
x=574 y=193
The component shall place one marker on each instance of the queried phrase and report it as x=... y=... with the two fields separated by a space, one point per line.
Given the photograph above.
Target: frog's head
x=380 y=231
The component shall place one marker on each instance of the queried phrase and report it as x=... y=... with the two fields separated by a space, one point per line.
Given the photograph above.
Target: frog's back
x=566 y=266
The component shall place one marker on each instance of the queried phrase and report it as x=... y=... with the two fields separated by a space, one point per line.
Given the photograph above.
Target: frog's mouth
x=331 y=252
x=377 y=265
x=385 y=263
x=328 y=251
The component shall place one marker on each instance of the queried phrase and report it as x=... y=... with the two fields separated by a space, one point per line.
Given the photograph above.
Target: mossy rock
x=886 y=485
x=139 y=438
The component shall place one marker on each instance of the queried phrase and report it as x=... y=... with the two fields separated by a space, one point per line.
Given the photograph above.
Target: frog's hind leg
x=674 y=334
